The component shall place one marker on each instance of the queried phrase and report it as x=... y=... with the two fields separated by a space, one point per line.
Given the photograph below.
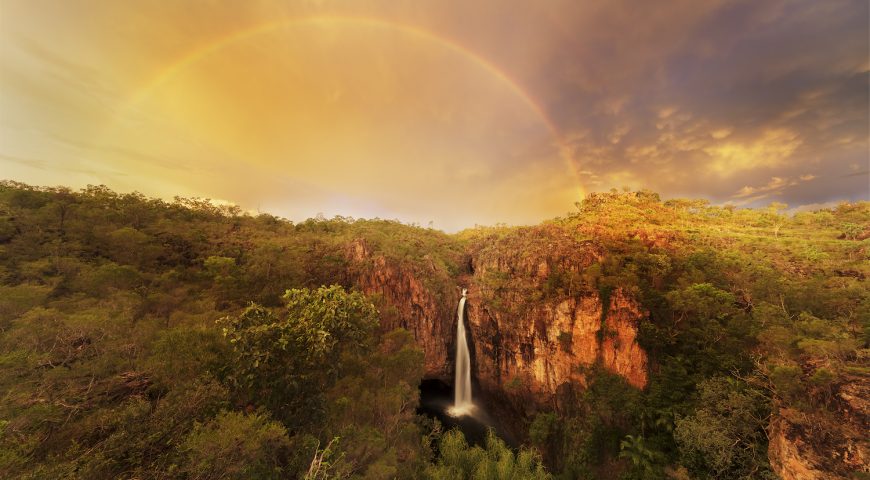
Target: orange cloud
x=776 y=185
x=772 y=148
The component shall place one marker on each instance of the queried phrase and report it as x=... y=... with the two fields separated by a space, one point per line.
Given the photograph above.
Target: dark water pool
x=436 y=397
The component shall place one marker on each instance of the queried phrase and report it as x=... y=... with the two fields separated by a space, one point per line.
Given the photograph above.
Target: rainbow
x=203 y=51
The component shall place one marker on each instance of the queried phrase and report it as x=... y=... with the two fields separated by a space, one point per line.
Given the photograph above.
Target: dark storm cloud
x=698 y=98
x=709 y=98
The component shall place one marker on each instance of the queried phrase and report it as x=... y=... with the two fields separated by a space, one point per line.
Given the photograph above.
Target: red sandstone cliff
x=528 y=334
x=534 y=322
x=554 y=344
x=420 y=299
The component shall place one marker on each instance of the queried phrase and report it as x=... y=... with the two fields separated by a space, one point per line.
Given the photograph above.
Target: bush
x=725 y=436
x=286 y=362
x=460 y=461
x=236 y=446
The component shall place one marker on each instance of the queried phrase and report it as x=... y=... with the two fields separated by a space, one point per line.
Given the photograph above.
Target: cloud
x=727 y=95
x=776 y=186
x=771 y=149
x=721 y=133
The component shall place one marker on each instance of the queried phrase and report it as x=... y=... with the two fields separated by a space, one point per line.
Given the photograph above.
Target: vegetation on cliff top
x=130 y=346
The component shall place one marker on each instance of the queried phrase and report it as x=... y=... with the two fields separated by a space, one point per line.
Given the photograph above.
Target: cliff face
x=420 y=299
x=555 y=343
x=537 y=325
x=830 y=445
x=620 y=352
x=534 y=322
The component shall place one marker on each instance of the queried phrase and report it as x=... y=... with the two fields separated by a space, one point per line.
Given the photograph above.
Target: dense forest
x=141 y=338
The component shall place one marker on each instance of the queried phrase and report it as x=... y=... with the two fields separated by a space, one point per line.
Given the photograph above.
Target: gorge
x=523 y=349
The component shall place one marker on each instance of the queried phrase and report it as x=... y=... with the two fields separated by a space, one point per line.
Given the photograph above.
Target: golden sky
x=451 y=112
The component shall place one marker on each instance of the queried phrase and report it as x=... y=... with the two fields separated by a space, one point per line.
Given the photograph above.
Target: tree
x=287 y=360
x=643 y=459
x=458 y=460
x=725 y=436
x=236 y=446
x=372 y=409
x=851 y=230
x=776 y=217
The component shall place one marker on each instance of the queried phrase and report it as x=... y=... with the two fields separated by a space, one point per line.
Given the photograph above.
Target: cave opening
x=436 y=398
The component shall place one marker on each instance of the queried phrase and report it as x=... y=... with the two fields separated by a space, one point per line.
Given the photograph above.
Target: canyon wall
x=553 y=344
x=416 y=296
x=535 y=323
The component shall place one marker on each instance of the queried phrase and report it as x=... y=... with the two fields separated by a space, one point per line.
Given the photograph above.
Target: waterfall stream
x=462 y=404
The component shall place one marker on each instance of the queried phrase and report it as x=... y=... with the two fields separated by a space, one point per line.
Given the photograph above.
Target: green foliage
x=458 y=460
x=542 y=428
x=851 y=230
x=110 y=353
x=702 y=300
x=106 y=278
x=724 y=437
x=234 y=445
x=786 y=381
x=514 y=384
x=15 y=300
x=372 y=409
x=218 y=267
x=324 y=463
x=286 y=361
x=644 y=461
x=180 y=355
x=133 y=437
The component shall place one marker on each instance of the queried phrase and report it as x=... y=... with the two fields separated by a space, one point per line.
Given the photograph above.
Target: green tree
x=776 y=217
x=236 y=446
x=372 y=409
x=724 y=437
x=643 y=460
x=286 y=360
x=458 y=460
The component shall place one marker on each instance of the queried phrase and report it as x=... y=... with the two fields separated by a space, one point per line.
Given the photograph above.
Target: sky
x=441 y=113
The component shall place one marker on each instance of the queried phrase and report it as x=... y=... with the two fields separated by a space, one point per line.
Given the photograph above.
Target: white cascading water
x=462 y=404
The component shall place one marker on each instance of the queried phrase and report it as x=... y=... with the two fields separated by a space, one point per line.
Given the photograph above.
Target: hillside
x=632 y=338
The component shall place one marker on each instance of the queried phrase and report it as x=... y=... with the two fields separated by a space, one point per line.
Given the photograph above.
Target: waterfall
x=462 y=404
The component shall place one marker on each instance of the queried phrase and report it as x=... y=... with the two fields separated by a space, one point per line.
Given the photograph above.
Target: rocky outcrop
x=787 y=452
x=417 y=297
x=555 y=344
x=824 y=444
x=537 y=325
x=620 y=352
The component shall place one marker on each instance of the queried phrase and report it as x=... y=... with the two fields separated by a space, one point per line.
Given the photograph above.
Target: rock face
x=787 y=453
x=418 y=299
x=554 y=344
x=808 y=447
x=536 y=325
x=620 y=352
